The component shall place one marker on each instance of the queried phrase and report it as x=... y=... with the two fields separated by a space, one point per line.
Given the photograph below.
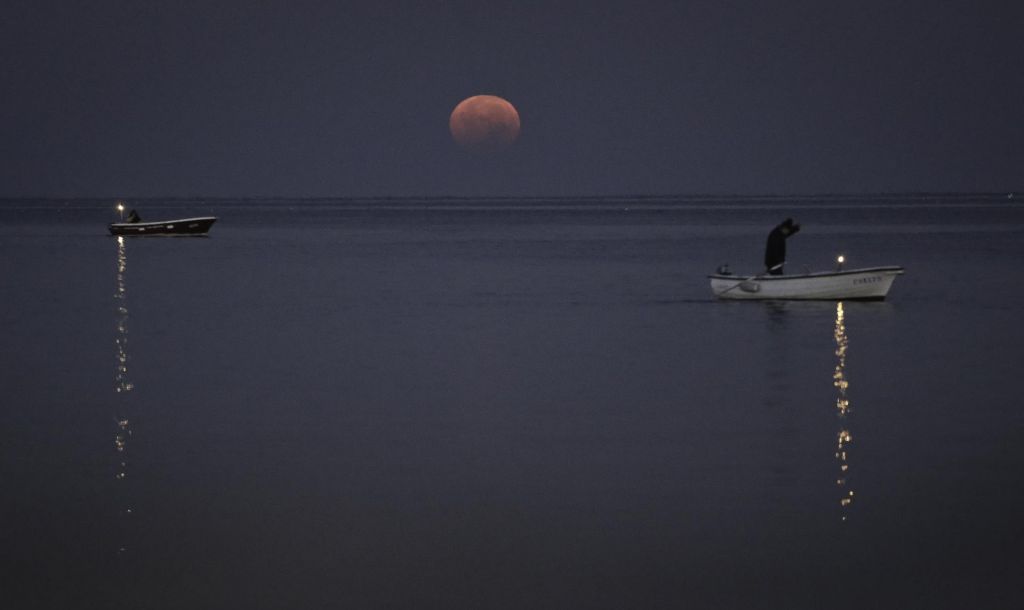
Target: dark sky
x=335 y=98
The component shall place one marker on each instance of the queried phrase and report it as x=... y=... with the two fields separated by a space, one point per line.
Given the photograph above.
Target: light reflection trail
x=122 y=386
x=121 y=381
x=843 y=436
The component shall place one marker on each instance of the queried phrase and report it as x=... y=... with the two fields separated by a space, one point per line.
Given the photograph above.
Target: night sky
x=339 y=99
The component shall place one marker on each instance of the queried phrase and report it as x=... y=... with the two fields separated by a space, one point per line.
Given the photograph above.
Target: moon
x=484 y=123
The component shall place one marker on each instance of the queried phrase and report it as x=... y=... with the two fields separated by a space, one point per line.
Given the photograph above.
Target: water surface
x=508 y=404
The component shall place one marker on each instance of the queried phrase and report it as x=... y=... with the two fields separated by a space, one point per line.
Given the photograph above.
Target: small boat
x=178 y=226
x=869 y=284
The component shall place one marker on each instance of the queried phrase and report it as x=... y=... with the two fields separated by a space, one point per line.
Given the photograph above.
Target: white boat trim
x=160 y=223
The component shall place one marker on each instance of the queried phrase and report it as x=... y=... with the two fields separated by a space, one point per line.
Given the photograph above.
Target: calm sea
x=509 y=404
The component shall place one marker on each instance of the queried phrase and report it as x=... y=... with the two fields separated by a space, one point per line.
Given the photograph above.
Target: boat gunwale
x=159 y=222
x=893 y=269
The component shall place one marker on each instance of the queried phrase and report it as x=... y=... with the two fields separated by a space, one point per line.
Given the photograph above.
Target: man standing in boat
x=775 y=251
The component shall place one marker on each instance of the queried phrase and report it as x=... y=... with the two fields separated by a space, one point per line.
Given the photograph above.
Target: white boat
x=855 y=284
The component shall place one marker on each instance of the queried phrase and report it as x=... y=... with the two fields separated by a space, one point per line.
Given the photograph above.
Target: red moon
x=484 y=123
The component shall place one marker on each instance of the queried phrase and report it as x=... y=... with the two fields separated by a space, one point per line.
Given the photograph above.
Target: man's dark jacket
x=775 y=251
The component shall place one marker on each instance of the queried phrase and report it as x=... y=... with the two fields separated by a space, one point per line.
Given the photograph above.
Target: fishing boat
x=199 y=225
x=868 y=284
x=179 y=226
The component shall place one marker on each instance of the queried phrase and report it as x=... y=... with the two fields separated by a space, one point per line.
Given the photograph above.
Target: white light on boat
x=120 y=206
x=841 y=259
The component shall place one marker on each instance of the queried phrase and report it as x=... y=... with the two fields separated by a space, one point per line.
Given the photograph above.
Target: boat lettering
x=868 y=280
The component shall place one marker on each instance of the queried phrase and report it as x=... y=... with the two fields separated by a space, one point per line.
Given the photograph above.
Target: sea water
x=509 y=404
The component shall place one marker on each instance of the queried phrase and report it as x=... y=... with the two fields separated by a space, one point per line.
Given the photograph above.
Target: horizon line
x=1008 y=194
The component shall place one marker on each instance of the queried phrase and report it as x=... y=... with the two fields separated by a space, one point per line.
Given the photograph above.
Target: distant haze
x=317 y=98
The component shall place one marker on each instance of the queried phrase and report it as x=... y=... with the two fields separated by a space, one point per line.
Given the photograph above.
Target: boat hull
x=856 y=284
x=179 y=226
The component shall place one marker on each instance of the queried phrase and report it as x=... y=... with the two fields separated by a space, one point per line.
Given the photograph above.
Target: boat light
x=839 y=261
